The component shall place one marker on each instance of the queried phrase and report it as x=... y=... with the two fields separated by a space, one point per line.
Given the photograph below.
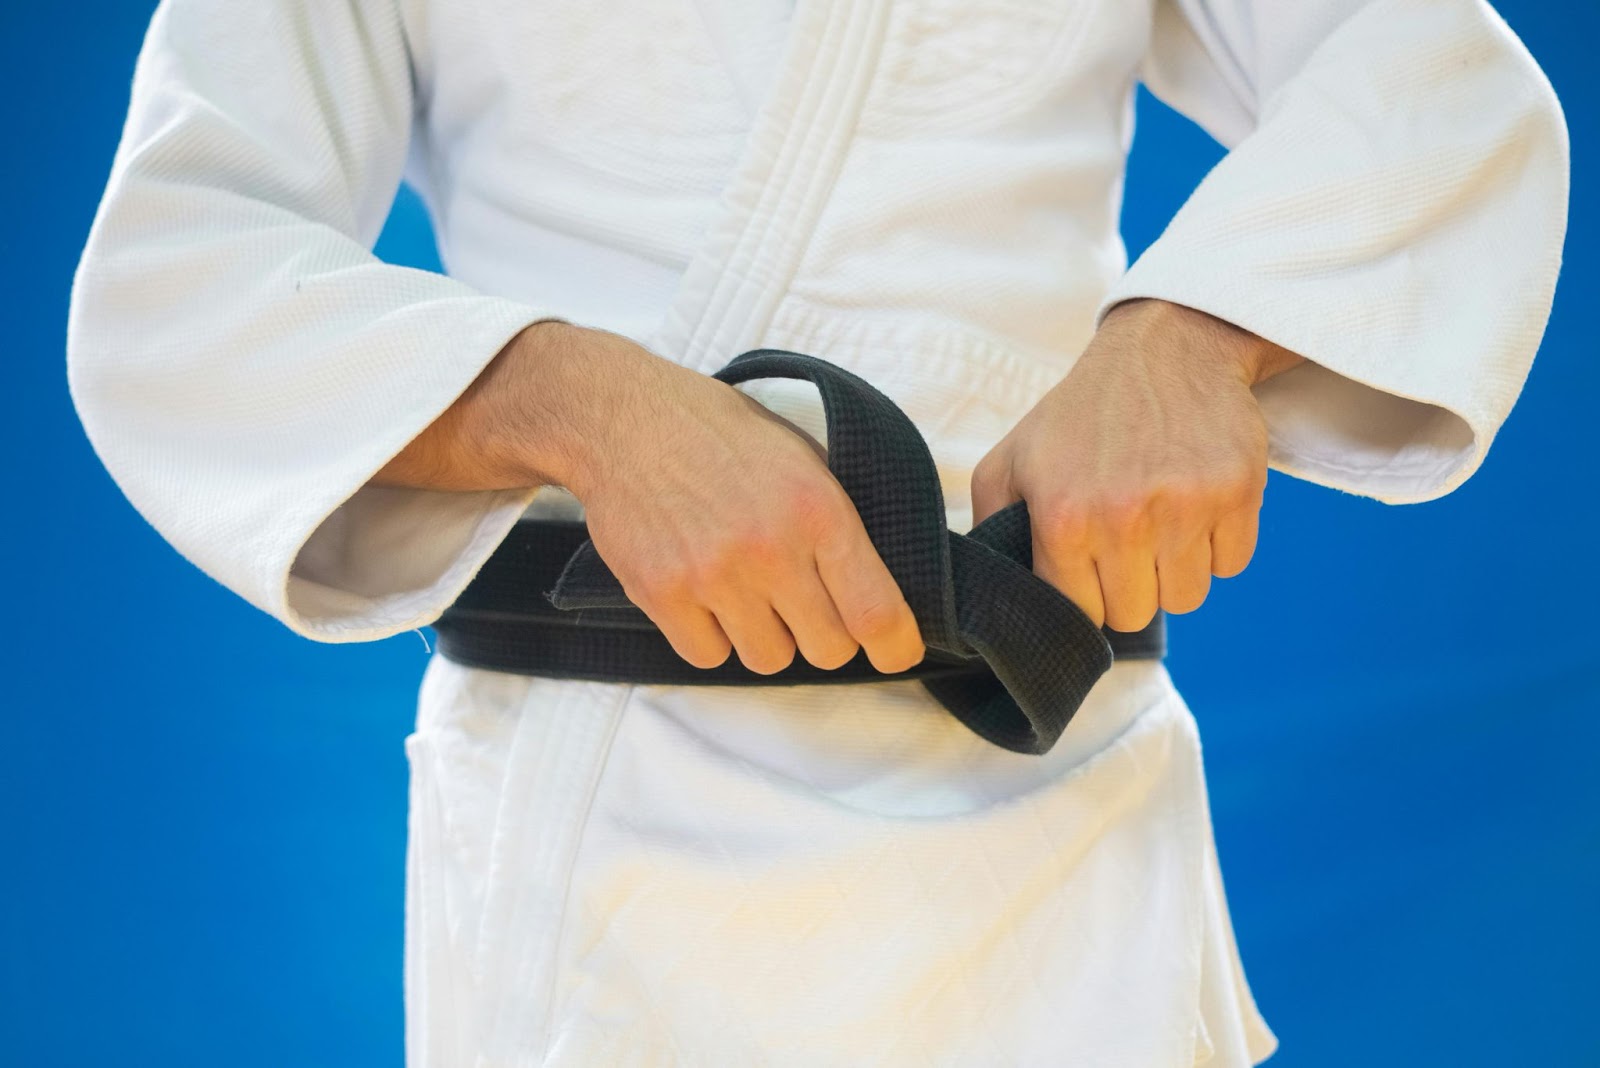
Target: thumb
x=991 y=484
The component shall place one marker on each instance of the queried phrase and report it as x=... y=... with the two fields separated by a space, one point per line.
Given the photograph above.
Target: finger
x=1128 y=584
x=694 y=634
x=868 y=600
x=808 y=611
x=991 y=488
x=1072 y=571
x=1233 y=541
x=763 y=643
x=1183 y=575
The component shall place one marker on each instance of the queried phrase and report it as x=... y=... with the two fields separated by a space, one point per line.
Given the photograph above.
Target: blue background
x=203 y=823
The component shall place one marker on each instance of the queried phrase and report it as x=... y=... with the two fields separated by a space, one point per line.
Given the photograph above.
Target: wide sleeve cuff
x=1395 y=217
x=367 y=561
x=1345 y=419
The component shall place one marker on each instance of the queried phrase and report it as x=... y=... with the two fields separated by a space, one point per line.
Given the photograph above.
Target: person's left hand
x=1144 y=468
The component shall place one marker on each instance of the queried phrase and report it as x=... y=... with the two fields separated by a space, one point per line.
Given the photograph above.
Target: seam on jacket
x=546 y=1037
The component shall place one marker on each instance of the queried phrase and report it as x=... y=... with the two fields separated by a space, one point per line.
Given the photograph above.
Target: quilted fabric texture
x=925 y=192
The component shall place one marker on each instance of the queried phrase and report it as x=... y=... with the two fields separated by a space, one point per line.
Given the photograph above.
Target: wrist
x=529 y=427
x=576 y=399
x=537 y=414
x=1207 y=342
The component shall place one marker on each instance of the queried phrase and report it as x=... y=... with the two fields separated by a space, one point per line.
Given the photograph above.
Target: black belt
x=1007 y=653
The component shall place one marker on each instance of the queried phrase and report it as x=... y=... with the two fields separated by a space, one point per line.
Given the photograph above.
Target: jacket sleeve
x=240 y=361
x=1392 y=208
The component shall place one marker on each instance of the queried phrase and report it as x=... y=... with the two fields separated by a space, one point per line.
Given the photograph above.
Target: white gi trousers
x=609 y=874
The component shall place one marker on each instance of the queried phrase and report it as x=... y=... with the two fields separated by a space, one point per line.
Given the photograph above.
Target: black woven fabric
x=1008 y=655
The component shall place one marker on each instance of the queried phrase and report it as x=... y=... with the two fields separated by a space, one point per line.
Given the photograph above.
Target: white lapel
x=797 y=144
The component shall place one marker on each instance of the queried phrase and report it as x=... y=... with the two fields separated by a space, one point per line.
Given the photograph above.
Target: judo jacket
x=924 y=191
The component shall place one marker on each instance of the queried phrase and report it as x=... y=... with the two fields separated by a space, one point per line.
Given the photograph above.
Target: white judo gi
x=924 y=191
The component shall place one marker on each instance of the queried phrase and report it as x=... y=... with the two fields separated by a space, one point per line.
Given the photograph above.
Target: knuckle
x=814 y=507
x=1124 y=514
x=715 y=565
x=1063 y=523
x=663 y=584
x=841 y=544
x=755 y=545
x=704 y=654
x=837 y=546
x=698 y=572
x=1233 y=565
x=991 y=473
x=833 y=655
x=768 y=658
x=1129 y=617
x=874 y=619
x=1242 y=487
x=896 y=659
x=1184 y=600
x=1181 y=503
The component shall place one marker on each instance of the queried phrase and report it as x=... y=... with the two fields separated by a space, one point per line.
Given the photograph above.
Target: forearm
x=524 y=421
x=534 y=412
x=1208 y=340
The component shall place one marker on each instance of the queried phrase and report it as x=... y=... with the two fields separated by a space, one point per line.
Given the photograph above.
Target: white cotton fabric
x=926 y=192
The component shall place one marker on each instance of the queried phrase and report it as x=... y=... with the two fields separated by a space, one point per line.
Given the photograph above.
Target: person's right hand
x=720 y=518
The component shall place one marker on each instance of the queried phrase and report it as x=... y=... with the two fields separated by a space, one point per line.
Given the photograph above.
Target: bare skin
x=720 y=519
x=725 y=526
x=1144 y=468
